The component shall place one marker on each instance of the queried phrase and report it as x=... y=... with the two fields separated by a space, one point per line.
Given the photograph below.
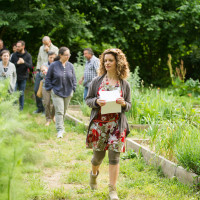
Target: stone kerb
x=139 y=126
x=185 y=176
x=169 y=168
x=71 y=118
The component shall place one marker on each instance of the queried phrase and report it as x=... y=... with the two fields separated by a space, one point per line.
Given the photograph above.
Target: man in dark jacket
x=22 y=60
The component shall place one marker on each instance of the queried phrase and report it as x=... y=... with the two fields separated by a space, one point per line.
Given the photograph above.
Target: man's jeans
x=21 y=85
x=85 y=92
x=39 y=104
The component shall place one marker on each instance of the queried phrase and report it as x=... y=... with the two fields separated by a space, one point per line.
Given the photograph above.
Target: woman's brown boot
x=93 y=180
x=112 y=192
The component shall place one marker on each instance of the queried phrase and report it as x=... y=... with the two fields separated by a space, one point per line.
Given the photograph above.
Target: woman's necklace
x=5 y=65
x=108 y=83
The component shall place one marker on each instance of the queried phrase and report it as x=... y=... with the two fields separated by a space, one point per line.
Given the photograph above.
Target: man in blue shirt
x=91 y=67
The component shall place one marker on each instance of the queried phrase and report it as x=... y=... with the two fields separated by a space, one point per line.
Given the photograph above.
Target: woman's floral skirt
x=104 y=134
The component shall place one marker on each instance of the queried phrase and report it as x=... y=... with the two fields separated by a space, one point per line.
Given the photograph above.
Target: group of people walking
x=106 y=132
x=16 y=68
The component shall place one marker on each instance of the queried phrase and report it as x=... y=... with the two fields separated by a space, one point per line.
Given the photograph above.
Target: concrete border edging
x=139 y=126
x=69 y=117
x=169 y=168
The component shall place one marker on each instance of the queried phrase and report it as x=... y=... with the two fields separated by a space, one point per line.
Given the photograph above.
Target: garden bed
x=170 y=169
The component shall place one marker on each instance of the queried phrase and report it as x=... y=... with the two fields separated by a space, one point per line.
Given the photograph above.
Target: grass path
x=58 y=169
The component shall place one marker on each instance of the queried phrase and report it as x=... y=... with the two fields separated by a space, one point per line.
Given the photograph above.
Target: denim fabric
x=21 y=86
x=85 y=92
x=39 y=104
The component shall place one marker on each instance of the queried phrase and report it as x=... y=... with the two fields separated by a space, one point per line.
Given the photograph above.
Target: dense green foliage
x=146 y=30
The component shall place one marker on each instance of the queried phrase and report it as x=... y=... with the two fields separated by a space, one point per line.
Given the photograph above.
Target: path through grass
x=58 y=169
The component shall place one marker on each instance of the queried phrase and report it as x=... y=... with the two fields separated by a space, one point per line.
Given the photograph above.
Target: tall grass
x=178 y=141
x=188 y=149
x=174 y=122
x=151 y=105
x=157 y=105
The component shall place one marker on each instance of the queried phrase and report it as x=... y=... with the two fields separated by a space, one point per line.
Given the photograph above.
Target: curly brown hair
x=122 y=64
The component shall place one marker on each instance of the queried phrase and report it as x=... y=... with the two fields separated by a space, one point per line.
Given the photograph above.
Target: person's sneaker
x=37 y=111
x=60 y=134
x=113 y=192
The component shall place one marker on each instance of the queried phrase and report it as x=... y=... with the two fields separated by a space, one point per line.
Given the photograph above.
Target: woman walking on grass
x=61 y=81
x=108 y=131
x=8 y=70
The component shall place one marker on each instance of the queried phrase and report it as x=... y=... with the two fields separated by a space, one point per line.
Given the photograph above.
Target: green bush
x=151 y=105
x=190 y=87
x=129 y=155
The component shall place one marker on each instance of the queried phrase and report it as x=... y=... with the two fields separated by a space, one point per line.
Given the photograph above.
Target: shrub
x=190 y=87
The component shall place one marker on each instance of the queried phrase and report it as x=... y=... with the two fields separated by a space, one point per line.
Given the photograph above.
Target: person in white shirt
x=8 y=70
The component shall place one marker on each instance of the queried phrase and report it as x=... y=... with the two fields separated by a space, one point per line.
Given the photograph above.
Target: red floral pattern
x=104 y=132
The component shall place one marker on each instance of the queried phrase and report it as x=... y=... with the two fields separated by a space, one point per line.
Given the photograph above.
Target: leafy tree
x=146 y=30
x=30 y=20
